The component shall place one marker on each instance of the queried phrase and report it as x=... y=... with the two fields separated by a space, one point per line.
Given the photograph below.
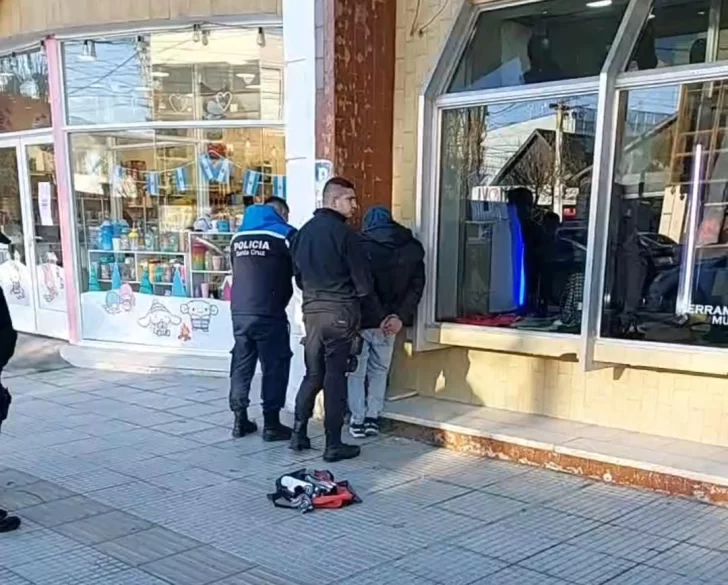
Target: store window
x=677 y=33
x=24 y=101
x=218 y=74
x=515 y=183
x=667 y=270
x=156 y=211
x=538 y=42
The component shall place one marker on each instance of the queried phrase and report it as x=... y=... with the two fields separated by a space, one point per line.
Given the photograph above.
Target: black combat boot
x=299 y=438
x=338 y=451
x=273 y=430
x=242 y=425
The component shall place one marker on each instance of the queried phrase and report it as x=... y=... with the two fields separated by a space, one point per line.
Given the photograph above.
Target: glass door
x=40 y=193
x=16 y=277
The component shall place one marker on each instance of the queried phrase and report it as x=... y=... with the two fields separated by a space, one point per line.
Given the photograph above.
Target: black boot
x=273 y=430
x=242 y=425
x=338 y=451
x=9 y=523
x=299 y=438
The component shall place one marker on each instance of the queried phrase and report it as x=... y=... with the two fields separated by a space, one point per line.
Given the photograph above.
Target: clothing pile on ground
x=307 y=490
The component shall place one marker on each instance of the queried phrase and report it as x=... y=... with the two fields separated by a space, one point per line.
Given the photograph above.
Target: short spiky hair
x=334 y=185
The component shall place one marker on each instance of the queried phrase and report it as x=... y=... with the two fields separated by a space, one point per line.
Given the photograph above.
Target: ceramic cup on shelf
x=205 y=290
x=217 y=263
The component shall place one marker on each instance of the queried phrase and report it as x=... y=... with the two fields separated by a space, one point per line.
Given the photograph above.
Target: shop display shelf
x=138 y=252
x=108 y=280
x=211 y=271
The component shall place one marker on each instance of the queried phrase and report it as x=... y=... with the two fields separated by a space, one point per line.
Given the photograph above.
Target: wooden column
x=355 y=58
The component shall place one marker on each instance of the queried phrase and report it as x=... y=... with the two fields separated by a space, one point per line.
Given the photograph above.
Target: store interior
x=157 y=209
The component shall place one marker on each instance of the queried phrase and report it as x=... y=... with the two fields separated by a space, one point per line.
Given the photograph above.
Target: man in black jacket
x=397 y=263
x=262 y=288
x=332 y=271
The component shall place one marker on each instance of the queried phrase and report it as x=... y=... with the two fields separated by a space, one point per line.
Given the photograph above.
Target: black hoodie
x=397 y=263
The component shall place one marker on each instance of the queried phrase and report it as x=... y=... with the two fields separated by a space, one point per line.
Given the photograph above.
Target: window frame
x=430 y=334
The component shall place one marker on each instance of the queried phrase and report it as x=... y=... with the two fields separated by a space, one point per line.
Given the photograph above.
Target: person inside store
x=262 y=288
x=332 y=271
x=397 y=262
x=8 y=340
x=543 y=66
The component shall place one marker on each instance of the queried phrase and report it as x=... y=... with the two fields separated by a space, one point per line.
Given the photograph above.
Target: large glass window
x=24 y=101
x=538 y=42
x=667 y=270
x=677 y=33
x=156 y=210
x=219 y=74
x=514 y=205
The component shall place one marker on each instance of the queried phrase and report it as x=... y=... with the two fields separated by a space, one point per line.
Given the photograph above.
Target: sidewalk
x=128 y=479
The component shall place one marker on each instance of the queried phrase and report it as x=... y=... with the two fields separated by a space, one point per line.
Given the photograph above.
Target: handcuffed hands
x=391 y=325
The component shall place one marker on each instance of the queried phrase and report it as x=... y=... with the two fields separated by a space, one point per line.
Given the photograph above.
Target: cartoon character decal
x=16 y=287
x=121 y=300
x=126 y=297
x=184 y=333
x=200 y=313
x=159 y=319
x=112 y=305
x=49 y=282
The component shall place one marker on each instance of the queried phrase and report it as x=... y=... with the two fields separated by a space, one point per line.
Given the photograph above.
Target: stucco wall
x=24 y=17
x=664 y=403
x=416 y=54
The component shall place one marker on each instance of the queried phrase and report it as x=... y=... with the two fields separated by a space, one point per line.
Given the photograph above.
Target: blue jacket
x=261 y=261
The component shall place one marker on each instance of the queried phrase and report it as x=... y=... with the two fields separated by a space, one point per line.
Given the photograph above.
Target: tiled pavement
x=133 y=480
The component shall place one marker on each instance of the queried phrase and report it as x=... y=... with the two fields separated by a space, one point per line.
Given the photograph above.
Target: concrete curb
x=598 y=466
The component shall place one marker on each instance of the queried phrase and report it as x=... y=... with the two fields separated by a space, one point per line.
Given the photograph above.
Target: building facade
x=133 y=136
x=602 y=302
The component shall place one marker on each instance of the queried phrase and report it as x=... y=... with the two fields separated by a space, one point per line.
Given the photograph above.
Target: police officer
x=333 y=274
x=262 y=288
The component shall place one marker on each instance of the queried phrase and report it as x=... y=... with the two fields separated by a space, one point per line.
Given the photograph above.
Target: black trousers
x=330 y=331
x=267 y=339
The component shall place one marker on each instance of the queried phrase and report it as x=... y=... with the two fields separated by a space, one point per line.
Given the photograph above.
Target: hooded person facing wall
x=398 y=269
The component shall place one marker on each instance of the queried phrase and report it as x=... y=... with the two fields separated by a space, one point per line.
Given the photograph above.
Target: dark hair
x=277 y=202
x=337 y=183
x=521 y=197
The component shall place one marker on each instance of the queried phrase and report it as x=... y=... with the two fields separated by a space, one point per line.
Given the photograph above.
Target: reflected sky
x=138 y=79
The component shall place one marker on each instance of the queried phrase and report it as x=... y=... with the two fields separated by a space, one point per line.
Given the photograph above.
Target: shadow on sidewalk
x=33 y=354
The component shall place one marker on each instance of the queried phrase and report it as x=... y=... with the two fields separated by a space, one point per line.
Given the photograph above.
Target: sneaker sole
x=356 y=435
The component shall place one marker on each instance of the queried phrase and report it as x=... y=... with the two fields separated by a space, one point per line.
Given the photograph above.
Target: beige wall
x=23 y=17
x=665 y=403
x=415 y=56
